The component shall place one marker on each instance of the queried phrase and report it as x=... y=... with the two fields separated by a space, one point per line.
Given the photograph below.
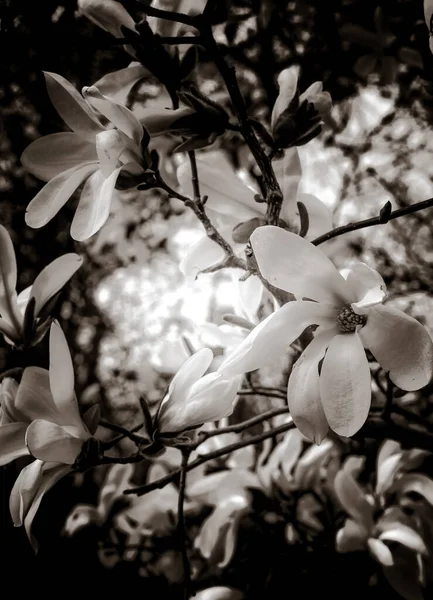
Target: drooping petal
x=319 y=215
x=53 y=443
x=353 y=500
x=53 y=154
x=273 y=336
x=54 y=195
x=203 y=254
x=12 y=442
x=118 y=84
x=73 y=109
x=401 y=345
x=227 y=194
x=94 y=206
x=352 y=537
x=8 y=278
x=404 y=574
x=415 y=482
x=24 y=490
x=380 y=551
x=288 y=172
x=345 y=384
x=53 y=277
x=120 y=116
x=386 y=472
x=110 y=15
x=406 y=536
x=368 y=286
x=62 y=378
x=33 y=399
x=292 y=264
x=303 y=392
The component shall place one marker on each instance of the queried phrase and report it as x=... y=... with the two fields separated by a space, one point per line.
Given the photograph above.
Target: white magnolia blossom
x=47 y=284
x=350 y=317
x=194 y=398
x=107 y=14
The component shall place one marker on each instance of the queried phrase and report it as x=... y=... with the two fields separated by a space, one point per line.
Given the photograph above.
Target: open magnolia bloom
x=194 y=398
x=232 y=208
x=92 y=153
x=25 y=318
x=330 y=384
x=41 y=418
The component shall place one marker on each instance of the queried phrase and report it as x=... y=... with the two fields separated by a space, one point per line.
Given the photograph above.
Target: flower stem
x=181 y=528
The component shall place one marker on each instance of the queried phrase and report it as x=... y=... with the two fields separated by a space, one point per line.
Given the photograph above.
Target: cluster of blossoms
x=335 y=318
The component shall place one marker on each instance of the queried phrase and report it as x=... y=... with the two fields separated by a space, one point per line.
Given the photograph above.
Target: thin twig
x=181 y=528
x=238 y=427
x=137 y=439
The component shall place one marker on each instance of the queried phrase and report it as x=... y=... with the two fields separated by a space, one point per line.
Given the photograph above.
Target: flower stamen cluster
x=348 y=320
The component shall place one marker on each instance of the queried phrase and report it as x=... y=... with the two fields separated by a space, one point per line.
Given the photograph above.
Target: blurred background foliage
x=124 y=310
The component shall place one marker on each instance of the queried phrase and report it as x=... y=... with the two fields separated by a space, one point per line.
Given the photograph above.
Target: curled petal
x=24 y=491
x=54 y=195
x=119 y=115
x=273 y=336
x=53 y=154
x=380 y=551
x=292 y=264
x=352 y=537
x=73 y=109
x=94 y=206
x=203 y=254
x=402 y=534
x=190 y=372
x=53 y=443
x=303 y=392
x=401 y=345
x=416 y=482
x=386 y=472
x=319 y=215
x=12 y=442
x=51 y=279
x=353 y=500
x=345 y=384
x=368 y=286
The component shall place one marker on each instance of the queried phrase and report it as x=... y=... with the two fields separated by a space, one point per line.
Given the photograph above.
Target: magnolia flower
x=428 y=12
x=296 y=119
x=231 y=205
x=25 y=317
x=350 y=316
x=194 y=398
x=107 y=14
x=42 y=419
x=91 y=153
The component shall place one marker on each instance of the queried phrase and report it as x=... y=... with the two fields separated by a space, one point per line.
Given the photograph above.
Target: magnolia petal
x=288 y=83
x=401 y=345
x=118 y=84
x=94 y=206
x=202 y=255
x=61 y=375
x=219 y=593
x=351 y=537
x=24 y=491
x=288 y=172
x=404 y=574
x=52 y=279
x=250 y=293
x=386 y=472
x=345 y=384
x=227 y=194
x=368 y=286
x=273 y=336
x=406 y=536
x=292 y=264
x=53 y=154
x=159 y=120
x=353 y=500
x=415 y=482
x=303 y=392
x=109 y=15
x=53 y=443
x=120 y=116
x=54 y=195
x=190 y=372
x=8 y=278
x=381 y=552
x=73 y=109
x=12 y=442
x=319 y=215
x=109 y=146
x=33 y=399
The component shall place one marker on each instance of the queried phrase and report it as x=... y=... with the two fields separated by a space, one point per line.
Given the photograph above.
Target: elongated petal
x=368 y=286
x=8 y=277
x=401 y=345
x=73 y=109
x=406 y=536
x=289 y=172
x=418 y=483
x=24 y=491
x=345 y=384
x=250 y=296
x=303 y=392
x=287 y=82
x=54 y=195
x=62 y=378
x=352 y=537
x=107 y=14
x=120 y=116
x=353 y=500
x=404 y=574
x=203 y=254
x=53 y=154
x=386 y=472
x=319 y=215
x=51 y=279
x=34 y=399
x=109 y=145
x=227 y=194
x=53 y=443
x=12 y=442
x=273 y=336
x=118 y=84
x=94 y=206
x=190 y=372
x=380 y=551
x=292 y=264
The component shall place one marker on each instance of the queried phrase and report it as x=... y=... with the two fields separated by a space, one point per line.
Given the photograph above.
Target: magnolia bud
x=288 y=83
x=107 y=14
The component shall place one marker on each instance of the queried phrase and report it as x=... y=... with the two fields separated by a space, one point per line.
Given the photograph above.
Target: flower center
x=348 y=320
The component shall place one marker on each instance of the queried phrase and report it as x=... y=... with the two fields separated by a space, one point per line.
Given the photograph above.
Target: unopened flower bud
x=288 y=83
x=107 y=14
